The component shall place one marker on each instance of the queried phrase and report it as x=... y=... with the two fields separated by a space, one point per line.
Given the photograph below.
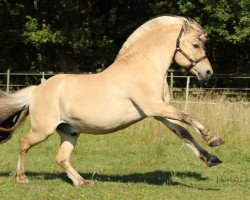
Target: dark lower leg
x=169 y=112
x=183 y=134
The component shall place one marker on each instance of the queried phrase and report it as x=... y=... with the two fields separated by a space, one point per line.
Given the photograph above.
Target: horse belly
x=100 y=119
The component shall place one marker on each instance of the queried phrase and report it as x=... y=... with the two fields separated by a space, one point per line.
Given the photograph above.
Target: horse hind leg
x=69 y=138
x=183 y=134
x=25 y=143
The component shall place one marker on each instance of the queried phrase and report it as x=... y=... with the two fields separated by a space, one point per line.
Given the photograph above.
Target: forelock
x=199 y=31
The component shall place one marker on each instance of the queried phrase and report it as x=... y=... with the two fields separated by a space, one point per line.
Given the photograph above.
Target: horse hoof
x=84 y=182
x=216 y=142
x=20 y=179
x=213 y=160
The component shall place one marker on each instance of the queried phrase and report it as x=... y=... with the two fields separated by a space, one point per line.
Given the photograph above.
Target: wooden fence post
x=8 y=81
x=171 y=83
x=43 y=79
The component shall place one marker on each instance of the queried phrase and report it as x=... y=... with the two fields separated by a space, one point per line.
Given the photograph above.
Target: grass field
x=144 y=161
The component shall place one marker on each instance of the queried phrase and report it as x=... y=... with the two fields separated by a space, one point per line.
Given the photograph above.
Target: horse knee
x=62 y=158
x=62 y=162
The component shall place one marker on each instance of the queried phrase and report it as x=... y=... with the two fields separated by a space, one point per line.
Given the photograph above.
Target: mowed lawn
x=144 y=161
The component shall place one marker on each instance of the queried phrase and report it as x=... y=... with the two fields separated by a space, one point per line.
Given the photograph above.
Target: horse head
x=190 y=50
x=167 y=38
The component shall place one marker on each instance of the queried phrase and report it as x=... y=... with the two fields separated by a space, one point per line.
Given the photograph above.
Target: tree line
x=83 y=36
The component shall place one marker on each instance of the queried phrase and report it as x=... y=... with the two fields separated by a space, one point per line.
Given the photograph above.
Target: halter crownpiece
x=178 y=49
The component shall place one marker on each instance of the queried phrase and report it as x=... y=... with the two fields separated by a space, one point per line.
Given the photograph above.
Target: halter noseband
x=178 y=49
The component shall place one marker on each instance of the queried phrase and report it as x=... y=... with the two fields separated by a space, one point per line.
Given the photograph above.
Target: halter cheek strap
x=178 y=49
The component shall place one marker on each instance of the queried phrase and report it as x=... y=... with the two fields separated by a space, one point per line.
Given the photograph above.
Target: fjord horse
x=132 y=88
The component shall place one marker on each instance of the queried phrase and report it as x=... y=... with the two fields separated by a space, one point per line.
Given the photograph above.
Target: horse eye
x=196 y=46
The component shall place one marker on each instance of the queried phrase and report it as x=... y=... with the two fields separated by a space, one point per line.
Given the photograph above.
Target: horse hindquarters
x=44 y=116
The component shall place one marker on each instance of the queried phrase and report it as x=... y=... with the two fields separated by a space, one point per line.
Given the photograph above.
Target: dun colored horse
x=132 y=88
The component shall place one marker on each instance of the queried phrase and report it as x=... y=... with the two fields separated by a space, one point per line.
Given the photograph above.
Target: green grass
x=144 y=161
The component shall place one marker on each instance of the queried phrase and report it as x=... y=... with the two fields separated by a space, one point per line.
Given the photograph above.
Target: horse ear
x=203 y=37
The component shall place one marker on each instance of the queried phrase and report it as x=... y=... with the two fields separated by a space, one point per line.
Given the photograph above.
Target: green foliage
x=87 y=35
x=37 y=36
x=224 y=20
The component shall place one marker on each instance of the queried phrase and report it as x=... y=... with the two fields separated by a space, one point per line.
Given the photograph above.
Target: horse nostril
x=209 y=73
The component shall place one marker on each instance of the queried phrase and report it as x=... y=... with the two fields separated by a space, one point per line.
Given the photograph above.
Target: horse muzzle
x=203 y=73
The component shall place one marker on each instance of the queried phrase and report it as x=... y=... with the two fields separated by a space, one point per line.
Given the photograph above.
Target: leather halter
x=178 y=49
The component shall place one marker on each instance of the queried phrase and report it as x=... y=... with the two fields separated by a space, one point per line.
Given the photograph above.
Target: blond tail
x=14 y=107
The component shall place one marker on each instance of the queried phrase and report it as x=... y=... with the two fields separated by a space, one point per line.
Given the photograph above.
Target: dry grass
x=222 y=115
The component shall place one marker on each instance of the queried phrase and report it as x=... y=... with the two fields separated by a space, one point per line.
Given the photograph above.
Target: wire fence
x=181 y=86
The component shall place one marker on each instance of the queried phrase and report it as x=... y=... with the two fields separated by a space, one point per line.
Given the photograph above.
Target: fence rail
x=6 y=83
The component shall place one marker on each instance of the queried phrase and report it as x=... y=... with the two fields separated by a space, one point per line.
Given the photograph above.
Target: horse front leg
x=68 y=142
x=184 y=135
x=165 y=110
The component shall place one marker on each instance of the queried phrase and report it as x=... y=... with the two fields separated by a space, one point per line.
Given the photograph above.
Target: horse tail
x=14 y=108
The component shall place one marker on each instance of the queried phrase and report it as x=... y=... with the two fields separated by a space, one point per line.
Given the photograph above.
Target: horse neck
x=162 y=48
x=155 y=49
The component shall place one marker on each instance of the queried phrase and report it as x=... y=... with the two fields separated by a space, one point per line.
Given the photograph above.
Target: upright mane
x=156 y=23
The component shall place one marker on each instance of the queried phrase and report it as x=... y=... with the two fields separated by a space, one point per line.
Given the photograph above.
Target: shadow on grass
x=152 y=178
